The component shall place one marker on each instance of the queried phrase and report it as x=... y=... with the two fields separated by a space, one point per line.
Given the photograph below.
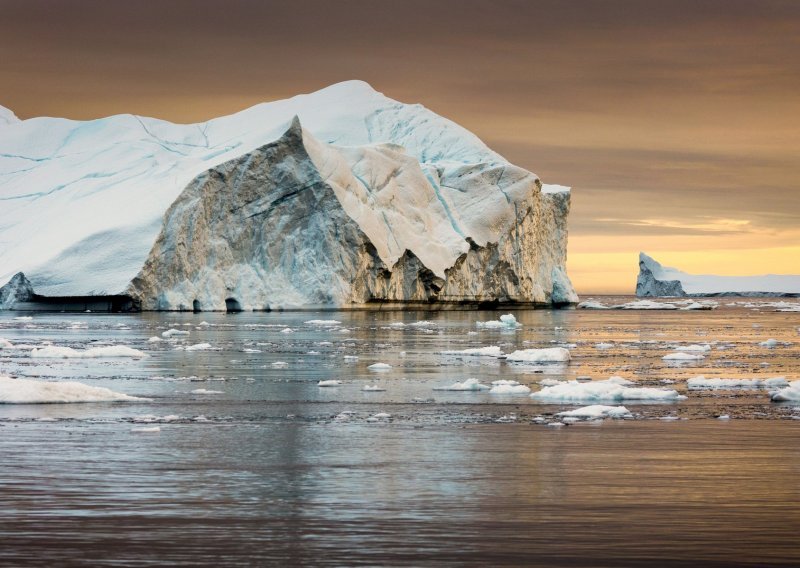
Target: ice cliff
x=342 y=197
x=657 y=280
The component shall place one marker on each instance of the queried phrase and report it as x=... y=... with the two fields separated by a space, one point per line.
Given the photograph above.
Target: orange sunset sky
x=677 y=123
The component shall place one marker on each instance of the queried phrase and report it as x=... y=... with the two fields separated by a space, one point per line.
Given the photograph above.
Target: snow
x=379 y=367
x=548 y=355
x=595 y=411
x=700 y=383
x=468 y=385
x=491 y=351
x=505 y=386
x=63 y=183
x=699 y=284
x=608 y=390
x=54 y=352
x=28 y=391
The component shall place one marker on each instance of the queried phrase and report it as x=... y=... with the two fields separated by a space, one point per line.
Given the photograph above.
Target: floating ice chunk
x=508 y=387
x=597 y=411
x=646 y=305
x=693 y=348
x=382 y=416
x=28 y=391
x=146 y=429
x=397 y=325
x=700 y=383
x=770 y=343
x=199 y=347
x=549 y=382
x=788 y=393
x=323 y=322
x=548 y=355
x=507 y=321
x=329 y=383
x=423 y=323
x=724 y=417
x=592 y=305
x=54 y=352
x=350 y=358
x=468 y=385
x=203 y=324
x=5 y=344
x=379 y=367
x=683 y=356
x=619 y=381
x=280 y=364
x=250 y=350
x=608 y=390
x=373 y=388
x=206 y=391
x=704 y=305
x=603 y=345
x=287 y=330
x=555 y=424
x=492 y=351
x=154 y=339
x=23 y=318
x=174 y=333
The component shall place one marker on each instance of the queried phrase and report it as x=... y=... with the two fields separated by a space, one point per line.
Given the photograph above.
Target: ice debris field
x=737 y=360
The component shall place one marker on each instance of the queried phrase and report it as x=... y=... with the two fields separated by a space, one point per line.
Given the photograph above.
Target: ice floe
x=547 y=355
x=174 y=333
x=28 y=391
x=788 y=393
x=682 y=356
x=468 y=385
x=595 y=411
x=323 y=322
x=329 y=383
x=373 y=388
x=55 y=352
x=505 y=386
x=198 y=347
x=702 y=383
x=379 y=367
x=507 y=321
x=491 y=351
x=613 y=389
x=206 y=391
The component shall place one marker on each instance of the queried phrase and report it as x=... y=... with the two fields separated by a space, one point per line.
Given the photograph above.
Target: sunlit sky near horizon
x=677 y=123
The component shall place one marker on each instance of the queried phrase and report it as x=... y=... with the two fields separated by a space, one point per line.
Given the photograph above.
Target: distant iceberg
x=655 y=280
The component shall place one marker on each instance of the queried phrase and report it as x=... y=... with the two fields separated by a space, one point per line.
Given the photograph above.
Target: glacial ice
x=340 y=197
x=657 y=280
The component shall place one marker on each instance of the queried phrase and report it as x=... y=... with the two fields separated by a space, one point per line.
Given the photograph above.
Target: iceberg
x=655 y=280
x=338 y=198
x=611 y=389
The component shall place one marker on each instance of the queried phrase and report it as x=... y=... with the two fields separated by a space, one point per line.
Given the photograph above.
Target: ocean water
x=235 y=455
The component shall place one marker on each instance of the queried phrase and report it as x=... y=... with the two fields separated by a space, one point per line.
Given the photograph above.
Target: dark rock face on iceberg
x=15 y=291
x=275 y=229
x=648 y=283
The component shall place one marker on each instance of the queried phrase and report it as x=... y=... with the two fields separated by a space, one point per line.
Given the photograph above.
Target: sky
x=676 y=123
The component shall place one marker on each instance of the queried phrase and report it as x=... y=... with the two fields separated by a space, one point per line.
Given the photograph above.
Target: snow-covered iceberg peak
x=657 y=280
x=7 y=117
x=340 y=197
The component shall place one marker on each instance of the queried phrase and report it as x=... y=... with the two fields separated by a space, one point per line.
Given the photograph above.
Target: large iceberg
x=342 y=197
x=656 y=280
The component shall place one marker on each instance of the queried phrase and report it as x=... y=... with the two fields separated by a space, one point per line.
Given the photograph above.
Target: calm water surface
x=261 y=471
